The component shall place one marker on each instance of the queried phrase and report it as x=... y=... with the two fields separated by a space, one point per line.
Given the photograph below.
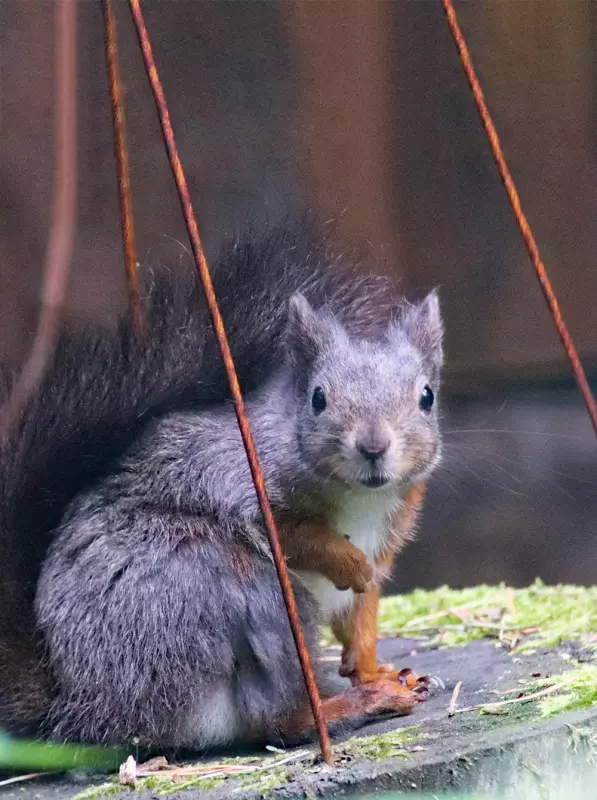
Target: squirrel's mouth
x=375 y=480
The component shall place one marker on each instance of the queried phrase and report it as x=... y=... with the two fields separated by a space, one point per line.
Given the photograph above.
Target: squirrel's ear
x=307 y=330
x=422 y=324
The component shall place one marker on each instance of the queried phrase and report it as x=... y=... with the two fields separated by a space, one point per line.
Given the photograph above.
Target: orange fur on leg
x=355 y=704
x=357 y=629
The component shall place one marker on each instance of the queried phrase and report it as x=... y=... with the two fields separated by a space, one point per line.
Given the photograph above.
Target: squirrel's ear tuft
x=307 y=331
x=422 y=324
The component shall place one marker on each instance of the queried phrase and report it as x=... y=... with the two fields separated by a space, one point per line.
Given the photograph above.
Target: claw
x=421 y=692
x=420 y=686
x=406 y=677
x=435 y=680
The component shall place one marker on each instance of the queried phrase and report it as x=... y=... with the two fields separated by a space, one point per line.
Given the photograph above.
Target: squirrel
x=139 y=596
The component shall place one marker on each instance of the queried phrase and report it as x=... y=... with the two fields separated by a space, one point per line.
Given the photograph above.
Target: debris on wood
x=489 y=708
x=453 y=699
x=20 y=778
x=127 y=774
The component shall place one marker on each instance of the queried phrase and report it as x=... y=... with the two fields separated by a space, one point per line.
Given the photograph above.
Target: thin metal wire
x=523 y=223
x=122 y=168
x=243 y=422
x=63 y=221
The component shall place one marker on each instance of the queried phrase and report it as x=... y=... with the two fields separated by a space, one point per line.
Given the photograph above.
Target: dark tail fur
x=104 y=385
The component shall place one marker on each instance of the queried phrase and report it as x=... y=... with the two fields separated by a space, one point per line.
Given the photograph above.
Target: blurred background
x=360 y=111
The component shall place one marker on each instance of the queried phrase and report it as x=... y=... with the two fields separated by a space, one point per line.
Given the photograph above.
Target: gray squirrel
x=139 y=596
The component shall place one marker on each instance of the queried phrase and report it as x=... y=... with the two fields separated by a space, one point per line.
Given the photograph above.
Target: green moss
x=167 y=786
x=573 y=690
x=577 y=689
x=389 y=744
x=515 y=714
x=266 y=777
x=265 y=784
x=238 y=761
x=97 y=792
x=157 y=784
x=560 y=612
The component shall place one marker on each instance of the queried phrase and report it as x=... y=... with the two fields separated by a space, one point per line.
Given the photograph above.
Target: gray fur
x=104 y=386
x=158 y=601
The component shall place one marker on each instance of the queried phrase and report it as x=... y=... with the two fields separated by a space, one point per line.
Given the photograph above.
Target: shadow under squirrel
x=138 y=595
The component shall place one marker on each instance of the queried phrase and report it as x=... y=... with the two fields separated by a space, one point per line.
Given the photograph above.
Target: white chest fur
x=365 y=519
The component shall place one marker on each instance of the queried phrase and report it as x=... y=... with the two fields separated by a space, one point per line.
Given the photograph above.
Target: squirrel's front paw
x=351 y=570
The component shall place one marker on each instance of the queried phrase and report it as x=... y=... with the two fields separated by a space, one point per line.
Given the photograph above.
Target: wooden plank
x=344 y=164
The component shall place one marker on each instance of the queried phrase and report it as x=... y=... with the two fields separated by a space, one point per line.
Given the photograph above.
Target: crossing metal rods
x=61 y=241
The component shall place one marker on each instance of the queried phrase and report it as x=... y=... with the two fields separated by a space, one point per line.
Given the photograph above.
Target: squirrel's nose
x=372 y=449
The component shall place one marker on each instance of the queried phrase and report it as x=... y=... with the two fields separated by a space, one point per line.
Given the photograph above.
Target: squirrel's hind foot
x=385 y=673
x=385 y=697
x=352 y=708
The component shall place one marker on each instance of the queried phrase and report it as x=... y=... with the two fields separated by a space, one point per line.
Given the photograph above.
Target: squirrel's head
x=367 y=410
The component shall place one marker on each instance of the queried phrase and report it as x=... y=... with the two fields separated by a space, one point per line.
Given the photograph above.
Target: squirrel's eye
x=318 y=400
x=426 y=399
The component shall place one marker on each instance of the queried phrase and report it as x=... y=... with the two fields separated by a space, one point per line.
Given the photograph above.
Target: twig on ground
x=524 y=699
x=510 y=602
x=159 y=767
x=453 y=699
x=491 y=626
x=29 y=777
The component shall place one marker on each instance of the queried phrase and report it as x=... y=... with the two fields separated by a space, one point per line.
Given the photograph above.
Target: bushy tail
x=104 y=385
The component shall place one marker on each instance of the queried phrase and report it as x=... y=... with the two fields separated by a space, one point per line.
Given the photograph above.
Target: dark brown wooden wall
x=391 y=130
x=356 y=109
x=230 y=88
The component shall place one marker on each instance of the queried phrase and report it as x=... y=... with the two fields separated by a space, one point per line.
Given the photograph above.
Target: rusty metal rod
x=122 y=168
x=523 y=223
x=63 y=219
x=243 y=422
